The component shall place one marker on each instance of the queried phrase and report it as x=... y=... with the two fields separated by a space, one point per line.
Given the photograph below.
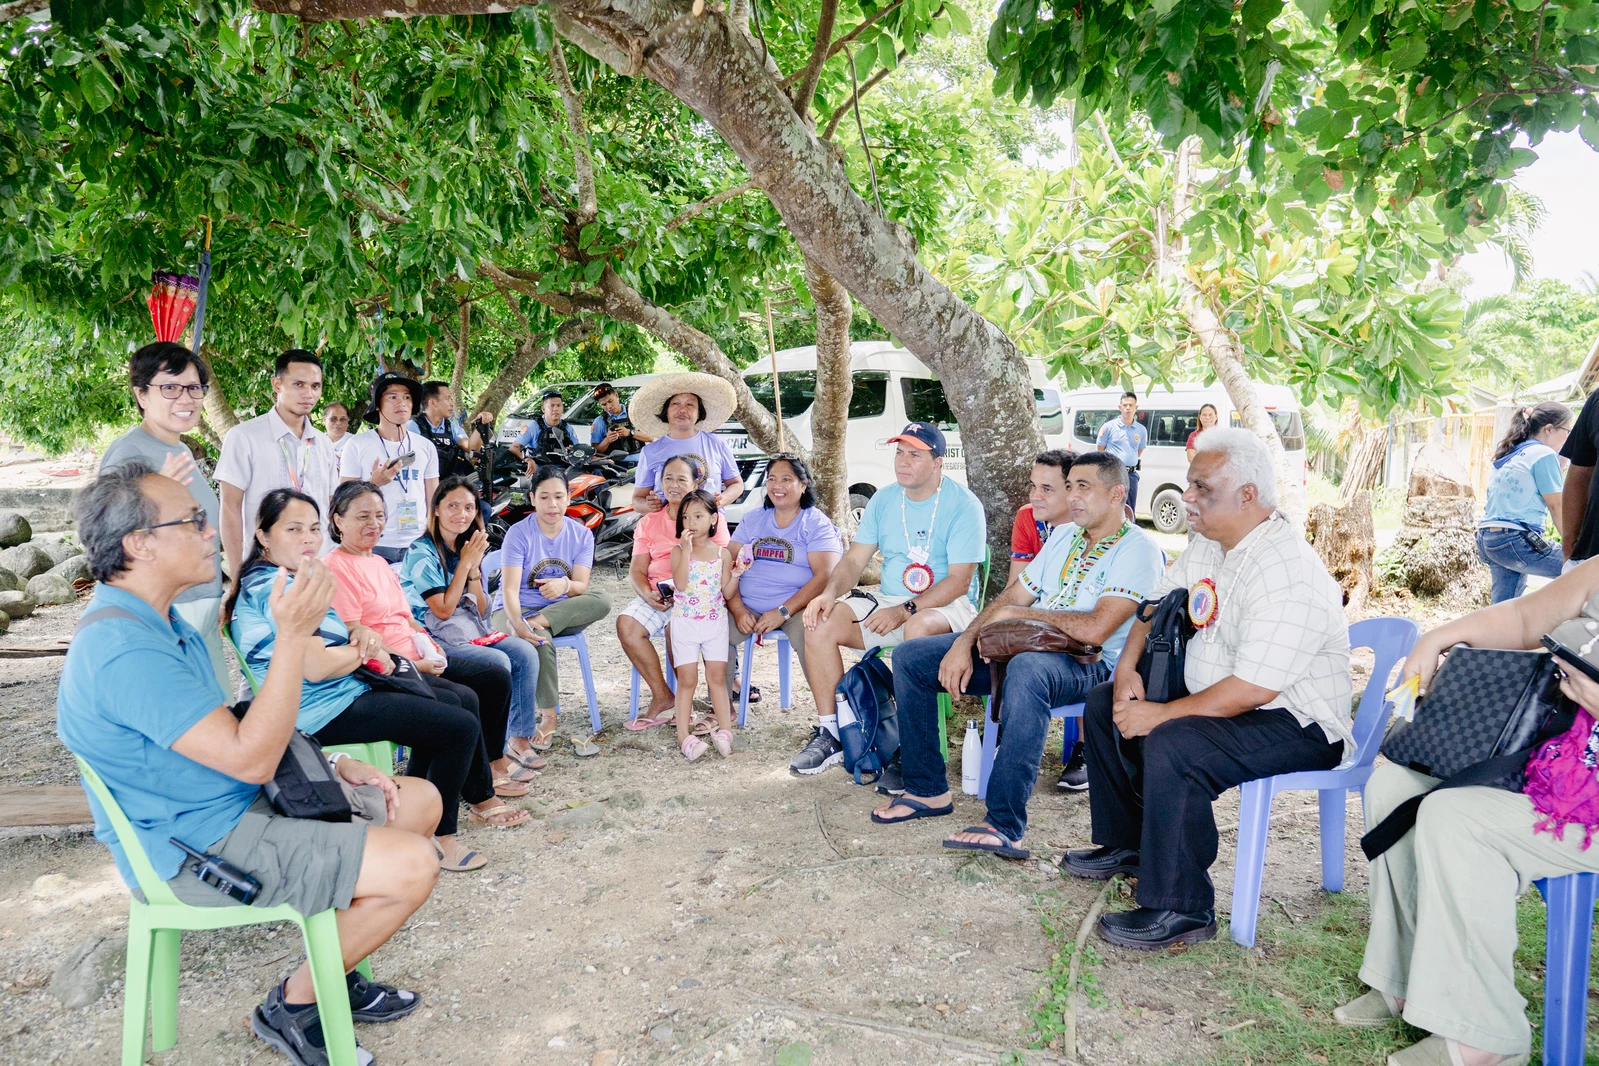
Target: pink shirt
x=368 y=593
x=656 y=536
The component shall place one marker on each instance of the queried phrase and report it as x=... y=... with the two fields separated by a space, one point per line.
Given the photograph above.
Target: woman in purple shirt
x=683 y=412
x=794 y=548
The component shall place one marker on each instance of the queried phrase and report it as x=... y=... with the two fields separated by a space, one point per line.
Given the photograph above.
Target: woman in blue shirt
x=338 y=708
x=1523 y=493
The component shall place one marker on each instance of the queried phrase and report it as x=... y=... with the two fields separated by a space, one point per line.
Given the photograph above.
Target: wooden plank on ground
x=44 y=805
x=33 y=651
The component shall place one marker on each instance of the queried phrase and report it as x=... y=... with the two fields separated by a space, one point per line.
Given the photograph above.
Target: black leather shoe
x=1147 y=929
x=1100 y=864
x=1074 y=775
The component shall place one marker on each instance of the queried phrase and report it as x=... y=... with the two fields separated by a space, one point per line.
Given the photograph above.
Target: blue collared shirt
x=129 y=689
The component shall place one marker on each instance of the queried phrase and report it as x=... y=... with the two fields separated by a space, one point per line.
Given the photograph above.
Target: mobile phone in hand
x=491 y=638
x=665 y=590
x=405 y=460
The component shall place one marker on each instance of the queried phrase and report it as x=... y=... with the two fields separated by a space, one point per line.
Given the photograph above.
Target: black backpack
x=1161 y=662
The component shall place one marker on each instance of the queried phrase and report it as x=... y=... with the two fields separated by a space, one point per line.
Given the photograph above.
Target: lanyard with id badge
x=407 y=515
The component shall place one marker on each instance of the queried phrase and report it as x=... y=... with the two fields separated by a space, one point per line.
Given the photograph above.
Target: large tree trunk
x=218 y=411
x=830 y=408
x=527 y=355
x=458 y=374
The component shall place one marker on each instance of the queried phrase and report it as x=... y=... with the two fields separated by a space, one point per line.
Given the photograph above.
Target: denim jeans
x=1035 y=682
x=1511 y=555
x=521 y=659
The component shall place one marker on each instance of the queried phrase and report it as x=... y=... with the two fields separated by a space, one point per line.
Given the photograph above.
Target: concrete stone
x=86 y=972
x=26 y=560
x=589 y=814
x=9 y=581
x=61 y=550
x=16 y=604
x=52 y=589
x=14 y=529
x=74 y=568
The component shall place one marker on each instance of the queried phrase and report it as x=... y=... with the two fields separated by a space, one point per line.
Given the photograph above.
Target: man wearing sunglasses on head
x=169 y=386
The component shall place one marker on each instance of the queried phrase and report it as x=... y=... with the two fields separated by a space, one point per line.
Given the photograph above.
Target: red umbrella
x=172 y=300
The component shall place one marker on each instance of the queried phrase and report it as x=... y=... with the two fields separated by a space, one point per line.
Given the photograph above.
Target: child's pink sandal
x=694 y=747
x=723 y=740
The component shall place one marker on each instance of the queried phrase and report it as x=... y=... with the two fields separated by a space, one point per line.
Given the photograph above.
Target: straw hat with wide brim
x=716 y=397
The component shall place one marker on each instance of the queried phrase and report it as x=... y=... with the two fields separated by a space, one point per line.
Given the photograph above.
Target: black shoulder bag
x=1160 y=664
x=1488 y=711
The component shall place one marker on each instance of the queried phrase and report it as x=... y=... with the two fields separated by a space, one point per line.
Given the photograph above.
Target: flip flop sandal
x=522 y=775
x=700 y=727
x=469 y=860
x=489 y=817
x=584 y=749
x=755 y=694
x=1006 y=849
x=526 y=759
x=506 y=788
x=918 y=810
x=542 y=741
x=641 y=723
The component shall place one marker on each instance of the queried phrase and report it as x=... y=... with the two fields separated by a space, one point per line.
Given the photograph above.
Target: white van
x=891 y=388
x=1170 y=415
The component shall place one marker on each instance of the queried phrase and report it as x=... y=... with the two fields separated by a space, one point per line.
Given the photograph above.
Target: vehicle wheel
x=857 y=507
x=1167 y=511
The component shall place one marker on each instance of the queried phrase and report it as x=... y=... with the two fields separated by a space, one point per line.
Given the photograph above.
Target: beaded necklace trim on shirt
x=1080 y=563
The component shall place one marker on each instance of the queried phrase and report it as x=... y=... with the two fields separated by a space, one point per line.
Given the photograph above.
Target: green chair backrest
x=982 y=577
x=249 y=675
x=155 y=890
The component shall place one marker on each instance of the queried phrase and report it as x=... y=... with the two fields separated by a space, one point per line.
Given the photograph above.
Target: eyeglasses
x=198 y=520
x=171 y=390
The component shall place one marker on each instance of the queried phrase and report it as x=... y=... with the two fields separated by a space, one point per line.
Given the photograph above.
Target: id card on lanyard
x=297 y=471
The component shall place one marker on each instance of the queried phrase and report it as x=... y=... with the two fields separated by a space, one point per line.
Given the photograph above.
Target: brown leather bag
x=999 y=642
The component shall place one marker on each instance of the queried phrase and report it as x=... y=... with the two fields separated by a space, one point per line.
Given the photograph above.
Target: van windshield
x=868 y=393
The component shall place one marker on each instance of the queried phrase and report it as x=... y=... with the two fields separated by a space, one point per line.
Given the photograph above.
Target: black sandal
x=918 y=810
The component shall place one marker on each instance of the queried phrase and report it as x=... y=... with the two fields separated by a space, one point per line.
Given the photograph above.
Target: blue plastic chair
x=1070 y=712
x=1570 y=902
x=1390 y=639
x=783 y=653
x=632 y=698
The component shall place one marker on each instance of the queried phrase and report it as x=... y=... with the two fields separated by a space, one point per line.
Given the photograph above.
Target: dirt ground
x=715 y=912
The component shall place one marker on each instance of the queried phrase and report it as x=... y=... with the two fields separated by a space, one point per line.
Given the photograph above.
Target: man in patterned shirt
x=1087 y=582
x=1268 y=677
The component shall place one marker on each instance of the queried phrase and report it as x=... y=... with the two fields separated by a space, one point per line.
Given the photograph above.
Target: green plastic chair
x=946 y=706
x=154 y=927
x=379 y=753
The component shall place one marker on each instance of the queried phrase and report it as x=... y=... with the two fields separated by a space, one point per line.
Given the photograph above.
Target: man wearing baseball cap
x=931 y=531
x=549 y=431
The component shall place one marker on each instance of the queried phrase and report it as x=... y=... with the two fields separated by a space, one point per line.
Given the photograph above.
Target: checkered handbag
x=1487 y=711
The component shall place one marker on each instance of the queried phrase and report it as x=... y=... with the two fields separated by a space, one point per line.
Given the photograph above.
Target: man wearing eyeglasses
x=169 y=386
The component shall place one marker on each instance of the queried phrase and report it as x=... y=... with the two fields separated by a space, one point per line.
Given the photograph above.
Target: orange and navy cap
x=923 y=435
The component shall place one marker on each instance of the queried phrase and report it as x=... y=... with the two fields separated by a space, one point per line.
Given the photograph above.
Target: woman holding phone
x=544 y=593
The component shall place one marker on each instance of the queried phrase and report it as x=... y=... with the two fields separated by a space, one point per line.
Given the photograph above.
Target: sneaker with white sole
x=822 y=751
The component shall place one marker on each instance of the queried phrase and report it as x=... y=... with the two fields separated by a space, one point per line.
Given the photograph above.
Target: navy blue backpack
x=872 y=740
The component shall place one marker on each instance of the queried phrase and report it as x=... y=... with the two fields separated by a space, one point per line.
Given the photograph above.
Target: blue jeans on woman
x=522 y=660
x=1511 y=555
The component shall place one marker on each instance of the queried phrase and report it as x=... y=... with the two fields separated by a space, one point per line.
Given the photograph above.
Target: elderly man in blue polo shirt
x=1087 y=582
x=140 y=703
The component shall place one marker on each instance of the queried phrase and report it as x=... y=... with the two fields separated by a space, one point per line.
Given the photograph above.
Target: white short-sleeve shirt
x=405 y=502
x=263 y=454
x=1281 y=624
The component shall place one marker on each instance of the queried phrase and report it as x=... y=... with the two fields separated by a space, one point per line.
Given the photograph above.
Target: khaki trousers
x=1443 y=906
x=794 y=628
x=566 y=616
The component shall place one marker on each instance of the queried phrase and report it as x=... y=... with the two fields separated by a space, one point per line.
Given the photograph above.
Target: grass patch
x=1059 y=918
x=1289 y=989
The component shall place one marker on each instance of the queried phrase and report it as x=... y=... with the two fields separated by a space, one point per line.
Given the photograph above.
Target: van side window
x=1085 y=426
x=925 y=402
x=1172 y=427
x=1290 y=427
x=868 y=396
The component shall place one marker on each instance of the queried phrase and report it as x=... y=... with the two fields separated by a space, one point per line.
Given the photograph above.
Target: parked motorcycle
x=602 y=496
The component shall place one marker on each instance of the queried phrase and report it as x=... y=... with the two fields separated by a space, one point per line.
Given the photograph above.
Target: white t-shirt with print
x=405 y=502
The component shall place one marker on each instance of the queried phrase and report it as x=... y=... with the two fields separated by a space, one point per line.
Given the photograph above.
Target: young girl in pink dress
x=704 y=574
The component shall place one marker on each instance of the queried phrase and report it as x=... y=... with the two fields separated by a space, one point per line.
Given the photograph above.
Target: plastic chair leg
x=1334 y=815
x=1068 y=737
x=632 y=698
x=332 y=997
x=990 y=750
x=1570 y=921
x=1254 y=822
x=164 y=948
x=946 y=711
x=582 y=646
x=747 y=658
x=785 y=690
x=136 y=988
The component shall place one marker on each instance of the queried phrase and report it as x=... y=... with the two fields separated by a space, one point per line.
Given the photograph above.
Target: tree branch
x=849 y=38
x=582 y=161
x=812 y=72
x=376 y=209
x=22 y=9
x=866 y=86
x=693 y=211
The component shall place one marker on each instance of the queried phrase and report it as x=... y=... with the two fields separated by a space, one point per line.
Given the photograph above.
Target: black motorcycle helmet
x=383 y=381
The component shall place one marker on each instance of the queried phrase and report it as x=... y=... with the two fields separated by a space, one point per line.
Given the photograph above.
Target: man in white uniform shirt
x=401 y=462
x=278 y=450
x=1268 y=675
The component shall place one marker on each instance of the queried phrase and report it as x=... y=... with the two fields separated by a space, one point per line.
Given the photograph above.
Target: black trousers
x=491 y=684
x=1153 y=794
x=444 y=737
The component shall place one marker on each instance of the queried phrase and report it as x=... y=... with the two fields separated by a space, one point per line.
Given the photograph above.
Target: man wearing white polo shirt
x=278 y=450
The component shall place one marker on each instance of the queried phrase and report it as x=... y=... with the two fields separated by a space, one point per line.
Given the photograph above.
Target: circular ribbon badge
x=918 y=578
x=1203 y=604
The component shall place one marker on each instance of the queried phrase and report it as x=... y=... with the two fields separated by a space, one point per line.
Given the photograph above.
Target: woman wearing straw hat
x=682 y=411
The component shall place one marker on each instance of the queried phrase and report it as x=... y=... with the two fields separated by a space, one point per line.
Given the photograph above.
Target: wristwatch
x=782 y=609
x=910 y=607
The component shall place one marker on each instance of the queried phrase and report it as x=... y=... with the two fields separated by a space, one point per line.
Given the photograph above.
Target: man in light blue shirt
x=1086 y=582
x=1126 y=438
x=932 y=533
